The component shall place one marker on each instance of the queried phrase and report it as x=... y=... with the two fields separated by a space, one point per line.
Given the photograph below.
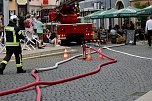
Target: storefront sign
x=21 y=2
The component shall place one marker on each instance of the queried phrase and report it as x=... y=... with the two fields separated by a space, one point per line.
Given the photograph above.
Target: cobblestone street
x=125 y=80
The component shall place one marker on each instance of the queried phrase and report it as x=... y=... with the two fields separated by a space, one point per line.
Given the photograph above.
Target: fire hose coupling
x=85 y=46
x=37 y=71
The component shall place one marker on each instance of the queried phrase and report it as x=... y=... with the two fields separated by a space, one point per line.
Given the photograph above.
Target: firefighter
x=13 y=36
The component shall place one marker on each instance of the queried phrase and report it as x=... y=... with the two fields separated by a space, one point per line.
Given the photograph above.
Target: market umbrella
x=125 y=12
x=104 y=13
x=93 y=15
x=145 y=11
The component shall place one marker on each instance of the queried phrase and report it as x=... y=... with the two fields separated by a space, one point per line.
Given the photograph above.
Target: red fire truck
x=68 y=29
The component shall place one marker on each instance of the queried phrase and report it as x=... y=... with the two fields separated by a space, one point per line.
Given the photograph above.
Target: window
x=98 y=5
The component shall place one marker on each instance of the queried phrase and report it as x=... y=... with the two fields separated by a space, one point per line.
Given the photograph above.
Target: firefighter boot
x=20 y=70
x=2 y=67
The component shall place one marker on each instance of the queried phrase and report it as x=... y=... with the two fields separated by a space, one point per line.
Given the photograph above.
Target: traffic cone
x=89 y=57
x=100 y=56
x=65 y=54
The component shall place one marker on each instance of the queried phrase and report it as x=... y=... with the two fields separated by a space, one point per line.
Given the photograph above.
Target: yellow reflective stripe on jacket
x=8 y=28
x=18 y=65
x=5 y=62
x=20 y=58
x=20 y=32
x=14 y=37
x=12 y=44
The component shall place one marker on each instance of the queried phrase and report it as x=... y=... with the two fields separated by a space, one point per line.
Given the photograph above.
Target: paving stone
x=115 y=82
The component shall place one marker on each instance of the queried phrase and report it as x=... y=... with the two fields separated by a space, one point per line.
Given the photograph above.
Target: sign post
x=130 y=37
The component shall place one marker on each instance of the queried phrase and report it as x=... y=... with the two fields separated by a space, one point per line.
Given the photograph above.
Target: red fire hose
x=38 y=91
x=38 y=82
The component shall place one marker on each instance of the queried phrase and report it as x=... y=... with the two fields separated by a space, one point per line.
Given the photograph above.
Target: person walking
x=13 y=34
x=148 y=30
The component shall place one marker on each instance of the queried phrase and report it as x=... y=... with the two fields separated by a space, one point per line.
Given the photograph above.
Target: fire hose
x=38 y=82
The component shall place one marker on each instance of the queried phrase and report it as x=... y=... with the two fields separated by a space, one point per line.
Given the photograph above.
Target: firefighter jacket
x=13 y=35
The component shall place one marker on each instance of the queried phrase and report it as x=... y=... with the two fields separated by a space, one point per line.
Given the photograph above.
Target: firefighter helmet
x=14 y=18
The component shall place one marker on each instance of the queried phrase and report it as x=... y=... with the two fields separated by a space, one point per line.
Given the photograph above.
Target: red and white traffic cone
x=89 y=57
x=65 y=54
x=100 y=57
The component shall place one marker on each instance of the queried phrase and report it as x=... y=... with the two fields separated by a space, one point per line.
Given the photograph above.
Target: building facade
x=22 y=7
x=41 y=8
x=90 y=6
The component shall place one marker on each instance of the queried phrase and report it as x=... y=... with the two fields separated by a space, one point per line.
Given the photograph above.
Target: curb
x=41 y=53
x=145 y=97
x=51 y=54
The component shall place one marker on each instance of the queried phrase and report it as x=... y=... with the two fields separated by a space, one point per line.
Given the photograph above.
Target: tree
x=138 y=4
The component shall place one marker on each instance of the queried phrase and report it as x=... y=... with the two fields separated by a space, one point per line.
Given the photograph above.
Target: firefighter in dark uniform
x=13 y=36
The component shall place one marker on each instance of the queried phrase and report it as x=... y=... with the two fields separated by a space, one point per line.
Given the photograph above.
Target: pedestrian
x=21 y=23
x=40 y=28
x=55 y=39
x=148 y=30
x=13 y=36
x=132 y=26
x=46 y=36
x=35 y=21
x=29 y=24
x=1 y=24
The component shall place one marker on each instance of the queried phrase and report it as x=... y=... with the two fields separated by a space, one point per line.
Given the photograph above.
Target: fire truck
x=68 y=29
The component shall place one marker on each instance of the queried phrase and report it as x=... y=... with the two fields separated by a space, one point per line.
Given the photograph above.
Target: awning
x=93 y=15
x=145 y=11
x=104 y=13
x=125 y=12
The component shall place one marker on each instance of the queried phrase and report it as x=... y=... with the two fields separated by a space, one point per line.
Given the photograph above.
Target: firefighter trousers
x=16 y=50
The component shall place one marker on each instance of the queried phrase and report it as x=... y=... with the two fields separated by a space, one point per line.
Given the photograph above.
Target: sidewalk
x=145 y=97
x=47 y=51
x=52 y=50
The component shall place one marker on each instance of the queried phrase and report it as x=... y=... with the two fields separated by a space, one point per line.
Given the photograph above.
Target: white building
x=90 y=6
x=35 y=6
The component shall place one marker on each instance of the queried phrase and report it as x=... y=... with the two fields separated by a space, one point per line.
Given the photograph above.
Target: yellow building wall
x=12 y=5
